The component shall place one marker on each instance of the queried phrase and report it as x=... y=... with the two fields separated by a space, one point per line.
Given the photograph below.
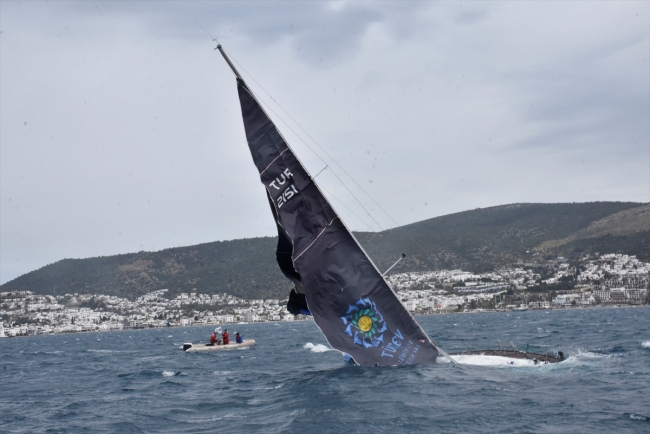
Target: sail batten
x=335 y=280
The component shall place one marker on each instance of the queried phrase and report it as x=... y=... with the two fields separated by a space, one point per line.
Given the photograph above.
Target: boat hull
x=542 y=358
x=202 y=348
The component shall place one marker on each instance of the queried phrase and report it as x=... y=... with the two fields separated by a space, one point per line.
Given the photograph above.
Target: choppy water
x=139 y=381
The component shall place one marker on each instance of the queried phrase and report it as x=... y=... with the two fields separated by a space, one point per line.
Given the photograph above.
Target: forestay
x=335 y=280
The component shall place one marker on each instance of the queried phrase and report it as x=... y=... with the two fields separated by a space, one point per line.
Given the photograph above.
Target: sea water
x=291 y=381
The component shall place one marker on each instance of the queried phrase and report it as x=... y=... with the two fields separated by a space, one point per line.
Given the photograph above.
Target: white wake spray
x=318 y=348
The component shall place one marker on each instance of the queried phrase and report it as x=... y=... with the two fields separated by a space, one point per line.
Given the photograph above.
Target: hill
x=482 y=239
x=477 y=240
x=629 y=222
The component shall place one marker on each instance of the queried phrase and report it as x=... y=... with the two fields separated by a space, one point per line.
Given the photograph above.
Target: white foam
x=214 y=418
x=589 y=355
x=42 y=352
x=645 y=344
x=168 y=373
x=318 y=348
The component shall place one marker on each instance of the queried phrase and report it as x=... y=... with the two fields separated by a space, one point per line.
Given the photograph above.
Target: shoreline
x=307 y=320
x=536 y=310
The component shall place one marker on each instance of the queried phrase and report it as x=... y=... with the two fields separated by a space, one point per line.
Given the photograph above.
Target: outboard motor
x=187 y=346
x=560 y=355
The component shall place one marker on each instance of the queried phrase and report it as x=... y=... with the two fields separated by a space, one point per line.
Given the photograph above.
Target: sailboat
x=334 y=279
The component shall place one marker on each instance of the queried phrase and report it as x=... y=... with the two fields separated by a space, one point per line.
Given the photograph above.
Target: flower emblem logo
x=364 y=324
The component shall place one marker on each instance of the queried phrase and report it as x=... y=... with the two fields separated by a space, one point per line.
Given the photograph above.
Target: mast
x=298 y=284
x=351 y=302
x=223 y=53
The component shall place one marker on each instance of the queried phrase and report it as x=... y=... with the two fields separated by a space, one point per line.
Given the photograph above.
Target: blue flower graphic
x=364 y=323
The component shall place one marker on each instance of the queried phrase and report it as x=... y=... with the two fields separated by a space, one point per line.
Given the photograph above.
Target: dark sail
x=351 y=302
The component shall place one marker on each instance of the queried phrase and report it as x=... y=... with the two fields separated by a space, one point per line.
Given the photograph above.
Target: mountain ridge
x=625 y=222
x=477 y=240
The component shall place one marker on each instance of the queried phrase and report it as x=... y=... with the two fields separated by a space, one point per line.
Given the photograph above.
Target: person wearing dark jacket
x=238 y=338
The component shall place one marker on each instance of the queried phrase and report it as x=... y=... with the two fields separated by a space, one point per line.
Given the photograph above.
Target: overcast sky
x=120 y=126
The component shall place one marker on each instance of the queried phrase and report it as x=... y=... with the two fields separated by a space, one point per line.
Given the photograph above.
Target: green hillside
x=477 y=240
x=482 y=239
x=623 y=223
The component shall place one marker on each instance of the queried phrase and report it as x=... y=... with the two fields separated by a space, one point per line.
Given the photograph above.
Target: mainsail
x=334 y=278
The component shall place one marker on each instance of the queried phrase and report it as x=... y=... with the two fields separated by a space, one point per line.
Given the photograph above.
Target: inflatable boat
x=199 y=348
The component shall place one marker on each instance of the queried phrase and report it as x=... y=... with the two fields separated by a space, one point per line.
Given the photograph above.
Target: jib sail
x=334 y=279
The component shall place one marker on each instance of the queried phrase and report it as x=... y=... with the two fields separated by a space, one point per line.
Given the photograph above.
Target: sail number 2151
x=288 y=192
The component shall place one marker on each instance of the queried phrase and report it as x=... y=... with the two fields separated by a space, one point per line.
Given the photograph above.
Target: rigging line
x=262 y=102
x=213 y=38
x=324 y=162
x=318 y=144
x=320 y=158
x=321 y=171
x=344 y=206
x=269 y=107
x=358 y=201
x=310 y=148
x=326 y=153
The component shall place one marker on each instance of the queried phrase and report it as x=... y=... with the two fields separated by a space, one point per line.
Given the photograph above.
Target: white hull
x=199 y=348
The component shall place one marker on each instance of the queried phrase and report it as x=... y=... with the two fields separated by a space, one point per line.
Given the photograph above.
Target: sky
x=121 y=131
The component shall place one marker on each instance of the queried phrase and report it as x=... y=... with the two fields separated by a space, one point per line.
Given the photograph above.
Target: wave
x=645 y=344
x=169 y=373
x=639 y=417
x=214 y=418
x=318 y=348
x=41 y=352
x=594 y=355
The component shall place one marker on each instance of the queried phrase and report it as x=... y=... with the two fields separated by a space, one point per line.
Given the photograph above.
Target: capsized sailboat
x=508 y=356
x=334 y=279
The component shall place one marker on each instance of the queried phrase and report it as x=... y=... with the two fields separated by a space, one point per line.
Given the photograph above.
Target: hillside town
x=607 y=280
x=600 y=281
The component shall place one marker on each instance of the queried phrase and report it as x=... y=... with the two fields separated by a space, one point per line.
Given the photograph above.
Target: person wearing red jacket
x=214 y=338
x=226 y=337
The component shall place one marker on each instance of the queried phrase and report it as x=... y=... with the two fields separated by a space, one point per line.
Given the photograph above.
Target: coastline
x=492 y=311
